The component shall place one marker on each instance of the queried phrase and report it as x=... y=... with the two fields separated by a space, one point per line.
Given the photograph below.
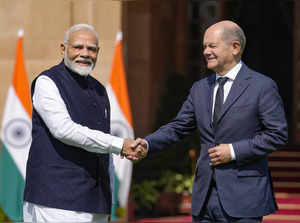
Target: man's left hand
x=219 y=154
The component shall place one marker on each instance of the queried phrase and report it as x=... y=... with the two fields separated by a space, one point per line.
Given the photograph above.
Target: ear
x=236 y=46
x=62 y=49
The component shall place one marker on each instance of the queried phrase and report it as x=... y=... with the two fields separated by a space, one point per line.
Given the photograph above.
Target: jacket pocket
x=251 y=173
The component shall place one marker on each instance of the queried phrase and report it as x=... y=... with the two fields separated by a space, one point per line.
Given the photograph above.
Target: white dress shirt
x=51 y=107
x=231 y=75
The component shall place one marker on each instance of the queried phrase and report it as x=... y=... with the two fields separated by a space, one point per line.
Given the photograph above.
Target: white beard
x=82 y=71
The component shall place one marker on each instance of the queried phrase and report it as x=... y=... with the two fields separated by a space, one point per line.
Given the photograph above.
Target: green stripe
x=11 y=187
x=116 y=203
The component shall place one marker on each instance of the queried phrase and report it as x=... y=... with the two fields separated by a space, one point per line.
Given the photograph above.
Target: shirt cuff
x=116 y=145
x=232 y=152
x=147 y=144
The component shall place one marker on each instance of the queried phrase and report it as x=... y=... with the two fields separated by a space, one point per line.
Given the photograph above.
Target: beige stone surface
x=11 y=19
x=44 y=23
x=106 y=19
x=82 y=11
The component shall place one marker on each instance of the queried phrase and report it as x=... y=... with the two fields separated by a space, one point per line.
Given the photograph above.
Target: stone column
x=155 y=46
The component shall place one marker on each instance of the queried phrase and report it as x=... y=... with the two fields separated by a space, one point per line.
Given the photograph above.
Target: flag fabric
x=121 y=125
x=15 y=139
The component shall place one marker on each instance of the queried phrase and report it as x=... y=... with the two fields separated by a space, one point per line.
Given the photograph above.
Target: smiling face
x=220 y=55
x=81 y=51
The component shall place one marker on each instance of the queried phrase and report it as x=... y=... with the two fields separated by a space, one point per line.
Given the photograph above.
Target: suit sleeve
x=183 y=125
x=273 y=133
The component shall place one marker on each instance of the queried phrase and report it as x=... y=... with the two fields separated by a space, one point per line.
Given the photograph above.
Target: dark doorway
x=268 y=26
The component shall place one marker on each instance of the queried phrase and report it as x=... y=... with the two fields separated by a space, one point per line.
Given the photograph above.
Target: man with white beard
x=67 y=176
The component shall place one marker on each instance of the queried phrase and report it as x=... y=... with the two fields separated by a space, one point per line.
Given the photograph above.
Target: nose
x=206 y=51
x=84 y=52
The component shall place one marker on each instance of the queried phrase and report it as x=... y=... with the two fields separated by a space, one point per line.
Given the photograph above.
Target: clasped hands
x=134 y=150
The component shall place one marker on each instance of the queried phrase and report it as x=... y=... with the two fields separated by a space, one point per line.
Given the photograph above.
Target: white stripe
x=117 y=114
x=14 y=117
x=123 y=167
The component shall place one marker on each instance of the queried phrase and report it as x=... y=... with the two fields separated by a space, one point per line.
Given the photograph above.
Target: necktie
x=219 y=100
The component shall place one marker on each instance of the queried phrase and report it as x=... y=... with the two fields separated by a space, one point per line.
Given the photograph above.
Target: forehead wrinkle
x=83 y=35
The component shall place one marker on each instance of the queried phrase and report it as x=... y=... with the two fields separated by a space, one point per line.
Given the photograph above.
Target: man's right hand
x=141 y=148
x=134 y=150
x=127 y=148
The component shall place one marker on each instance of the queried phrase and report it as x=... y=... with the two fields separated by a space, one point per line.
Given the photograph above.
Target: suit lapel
x=211 y=84
x=239 y=85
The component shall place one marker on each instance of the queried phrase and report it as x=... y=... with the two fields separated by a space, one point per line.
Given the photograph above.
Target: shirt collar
x=232 y=73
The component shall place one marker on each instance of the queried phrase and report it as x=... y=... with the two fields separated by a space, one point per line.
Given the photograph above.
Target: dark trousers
x=213 y=211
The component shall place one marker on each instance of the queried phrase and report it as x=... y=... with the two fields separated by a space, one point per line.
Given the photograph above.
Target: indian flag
x=121 y=125
x=16 y=139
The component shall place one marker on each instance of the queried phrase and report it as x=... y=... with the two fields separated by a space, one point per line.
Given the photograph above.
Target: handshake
x=134 y=150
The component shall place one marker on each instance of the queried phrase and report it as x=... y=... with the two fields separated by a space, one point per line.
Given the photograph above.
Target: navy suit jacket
x=253 y=121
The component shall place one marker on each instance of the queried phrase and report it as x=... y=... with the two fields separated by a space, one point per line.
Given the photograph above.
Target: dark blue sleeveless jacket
x=63 y=176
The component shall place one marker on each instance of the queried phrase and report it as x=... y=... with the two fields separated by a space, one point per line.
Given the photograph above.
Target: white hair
x=80 y=27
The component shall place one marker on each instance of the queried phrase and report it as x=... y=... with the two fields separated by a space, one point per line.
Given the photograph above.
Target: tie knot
x=222 y=80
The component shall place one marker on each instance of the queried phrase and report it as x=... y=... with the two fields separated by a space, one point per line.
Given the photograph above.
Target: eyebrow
x=81 y=44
